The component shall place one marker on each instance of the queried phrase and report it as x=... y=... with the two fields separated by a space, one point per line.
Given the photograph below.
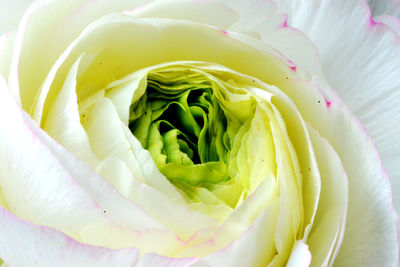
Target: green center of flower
x=179 y=120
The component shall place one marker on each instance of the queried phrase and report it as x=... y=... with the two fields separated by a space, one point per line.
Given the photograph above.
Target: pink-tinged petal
x=208 y=12
x=46 y=29
x=11 y=13
x=35 y=185
x=155 y=260
x=385 y=7
x=361 y=61
x=300 y=256
x=260 y=18
x=25 y=244
x=391 y=21
x=257 y=18
x=371 y=218
x=44 y=183
x=117 y=207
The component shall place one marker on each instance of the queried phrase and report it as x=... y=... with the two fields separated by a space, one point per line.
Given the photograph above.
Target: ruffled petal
x=25 y=244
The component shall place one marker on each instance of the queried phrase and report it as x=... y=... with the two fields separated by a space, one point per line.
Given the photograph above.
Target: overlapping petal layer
x=299 y=209
x=360 y=58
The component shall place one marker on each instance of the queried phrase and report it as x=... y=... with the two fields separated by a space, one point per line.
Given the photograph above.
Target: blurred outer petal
x=361 y=61
x=155 y=260
x=210 y=12
x=371 y=237
x=385 y=7
x=25 y=244
x=11 y=13
x=391 y=21
x=6 y=46
x=47 y=28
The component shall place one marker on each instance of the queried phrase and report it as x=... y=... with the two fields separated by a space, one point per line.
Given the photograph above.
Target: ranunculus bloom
x=199 y=133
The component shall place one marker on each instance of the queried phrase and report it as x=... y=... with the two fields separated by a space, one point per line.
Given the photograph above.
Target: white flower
x=258 y=163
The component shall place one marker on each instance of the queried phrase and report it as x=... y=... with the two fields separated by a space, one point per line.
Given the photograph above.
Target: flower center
x=180 y=121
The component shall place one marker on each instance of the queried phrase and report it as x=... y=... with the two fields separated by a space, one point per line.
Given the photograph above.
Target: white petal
x=65 y=199
x=290 y=120
x=238 y=223
x=26 y=244
x=63 y=121
x=11 y=13
x=364 y=68
x=207 y=12
x=34 y=183
x=155 y=193
x=371 y=218
x=108 y=139
x=300 y=256
x=260 y=18
x=121 y=56
x=255 y=247
x=329 y=225
x=256 y=17
x=46 y=29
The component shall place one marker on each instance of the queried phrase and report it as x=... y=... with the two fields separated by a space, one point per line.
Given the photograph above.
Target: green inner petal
x=180 y=121
x=198 y=128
